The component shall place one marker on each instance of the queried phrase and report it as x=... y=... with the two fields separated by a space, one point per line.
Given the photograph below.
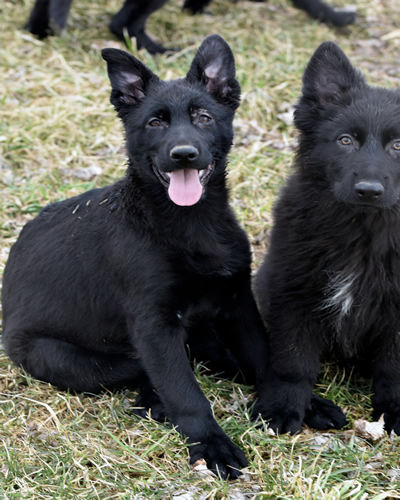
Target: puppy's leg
x=284 y=385
x=244 y=333
x=48 y=16
x=58 y=11
x=240 y=326
x=203 y=345
x=324 y=13
x=68 y=366
x=206 y=345
x=386 y=380
x=294 y=349
x=195 y=6
x=39 y=19
x=324 y=414
x=286 y=396
x=133 y=16
x=160 y=343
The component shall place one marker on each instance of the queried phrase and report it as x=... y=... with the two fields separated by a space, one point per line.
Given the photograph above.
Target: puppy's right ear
x=329 y=76
x=214 y=66
x=128 y=76
x=329 y=81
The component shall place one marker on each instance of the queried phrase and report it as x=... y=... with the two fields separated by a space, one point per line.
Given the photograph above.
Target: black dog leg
x=163 y=356
x=48 y=17
x=244 y=332
x=195 y=6
x=39 y=20
x=241 y=328
x=293 y=370
x=68 y=366
x=324 y=13
x=386 y=378
x=133 y=16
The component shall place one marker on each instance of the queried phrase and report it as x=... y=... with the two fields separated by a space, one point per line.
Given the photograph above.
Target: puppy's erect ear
x=329 y=76
x=128 y=76
x=329 y=81
x=214 y=66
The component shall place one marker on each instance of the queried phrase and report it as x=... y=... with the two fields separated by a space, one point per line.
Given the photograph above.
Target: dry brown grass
x=57 y=129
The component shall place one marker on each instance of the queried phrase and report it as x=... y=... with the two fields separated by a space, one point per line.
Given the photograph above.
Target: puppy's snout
x=369 y=191
x=184 y=154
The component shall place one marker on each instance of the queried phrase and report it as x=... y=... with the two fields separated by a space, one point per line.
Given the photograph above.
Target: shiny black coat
x=330 y=283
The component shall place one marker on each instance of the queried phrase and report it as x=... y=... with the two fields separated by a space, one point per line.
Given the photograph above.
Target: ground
x=58 y=137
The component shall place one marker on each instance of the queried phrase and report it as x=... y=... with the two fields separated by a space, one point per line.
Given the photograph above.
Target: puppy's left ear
x=329 y=82
x=329 y=76
x=129 y=78
x=214 y=66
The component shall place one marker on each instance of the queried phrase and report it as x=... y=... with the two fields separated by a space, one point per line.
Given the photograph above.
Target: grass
x=58 y=137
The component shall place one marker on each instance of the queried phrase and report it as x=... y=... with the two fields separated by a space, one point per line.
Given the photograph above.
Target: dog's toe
x=324 y=414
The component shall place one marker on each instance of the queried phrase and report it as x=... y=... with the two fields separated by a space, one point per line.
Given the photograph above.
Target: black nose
x=184 y=154
x=369 y=191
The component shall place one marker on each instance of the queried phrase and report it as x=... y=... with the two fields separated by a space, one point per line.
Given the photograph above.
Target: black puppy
x=330 y=283
x=107 y=289
x=50 y=16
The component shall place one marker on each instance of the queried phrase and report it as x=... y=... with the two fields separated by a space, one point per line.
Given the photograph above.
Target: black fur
x=325 y=13
x=113 y=288
x=50 y=16
x=330 y=283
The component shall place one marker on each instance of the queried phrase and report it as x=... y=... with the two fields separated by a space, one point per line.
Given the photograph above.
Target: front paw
x=223 y=457
x=391 y=414
x=324 y=414
x=280 y=418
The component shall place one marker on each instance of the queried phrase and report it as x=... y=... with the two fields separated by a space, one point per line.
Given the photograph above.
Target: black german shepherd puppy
x=50 y=16
x=114 y=287
x=330 y=283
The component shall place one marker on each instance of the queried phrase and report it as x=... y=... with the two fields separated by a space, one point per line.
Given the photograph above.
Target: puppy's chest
x=354 y=296
x=219 y=260
x=202 y=298
x=341 y=290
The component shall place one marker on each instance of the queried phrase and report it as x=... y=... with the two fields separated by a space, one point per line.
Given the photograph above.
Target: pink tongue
x=184 y=187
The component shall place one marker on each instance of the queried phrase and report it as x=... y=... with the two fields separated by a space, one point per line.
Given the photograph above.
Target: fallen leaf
x=201 y=467
x=373 y=466
x=370 y=430
x=245 y=475
x=394 y=475
x=287 y=118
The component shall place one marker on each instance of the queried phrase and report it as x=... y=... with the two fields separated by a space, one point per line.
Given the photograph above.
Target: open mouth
x=186 y=185
x=204 y=175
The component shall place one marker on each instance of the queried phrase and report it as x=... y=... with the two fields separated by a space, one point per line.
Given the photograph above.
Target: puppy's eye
x=345 y=140
x=154 y=122
x=396 y=145
x=204 y=118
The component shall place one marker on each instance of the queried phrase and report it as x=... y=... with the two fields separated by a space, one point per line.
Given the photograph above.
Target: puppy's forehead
x=376 y=110
x=181 y=93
